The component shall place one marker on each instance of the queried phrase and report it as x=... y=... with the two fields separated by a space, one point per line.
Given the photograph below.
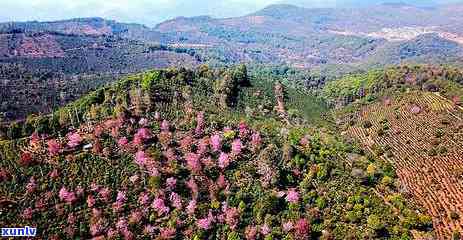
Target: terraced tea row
x=422 y=134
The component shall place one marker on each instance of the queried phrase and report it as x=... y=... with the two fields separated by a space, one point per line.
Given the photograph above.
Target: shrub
x=374 y=222
x=367 y=124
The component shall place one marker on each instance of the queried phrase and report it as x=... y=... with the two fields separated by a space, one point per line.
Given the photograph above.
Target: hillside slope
x=40 y=71
x=421 y=133
x=163 y=161
x=412 y=118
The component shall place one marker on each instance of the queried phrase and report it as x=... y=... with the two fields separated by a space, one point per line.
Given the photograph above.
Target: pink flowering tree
x=74 y=140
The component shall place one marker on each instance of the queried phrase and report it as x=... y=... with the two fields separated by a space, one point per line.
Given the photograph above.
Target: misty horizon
x=150 y=13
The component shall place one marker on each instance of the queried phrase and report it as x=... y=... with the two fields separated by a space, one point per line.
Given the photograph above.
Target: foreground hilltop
x=163 y=161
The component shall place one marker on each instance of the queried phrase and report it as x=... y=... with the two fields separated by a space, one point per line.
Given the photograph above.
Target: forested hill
x=152 y=156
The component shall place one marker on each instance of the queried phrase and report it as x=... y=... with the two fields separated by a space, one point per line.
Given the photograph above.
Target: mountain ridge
x=320 y=40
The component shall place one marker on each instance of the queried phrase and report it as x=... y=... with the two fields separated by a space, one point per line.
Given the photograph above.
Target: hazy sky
x=151 y=12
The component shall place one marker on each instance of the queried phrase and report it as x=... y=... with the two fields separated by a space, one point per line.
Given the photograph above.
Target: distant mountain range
x=278 y=34
x=383 y=34
x=367 y=3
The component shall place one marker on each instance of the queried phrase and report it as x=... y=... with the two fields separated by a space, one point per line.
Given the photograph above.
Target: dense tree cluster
x=375 y=83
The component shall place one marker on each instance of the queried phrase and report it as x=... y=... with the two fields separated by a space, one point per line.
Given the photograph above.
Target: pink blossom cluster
x=170 y=155
x=165 y=126
x=191 y=184
x=304 y=141
x=237 y=146
x=187 y=157
x=53 y=147
x=216 y=142
x=98 y=131
x=265 y=229
x=143 y=122
x=120 y=201
x=4 y=175
x=104 y=194
x=203 y=146
x=142 y=159
x=90 y=201
x=67 y=196
x=415 y=109
x=224 y=160
x=142 y=135
x=205 y=223
x=122 y=142
x=250 y=232
x=185 y=144
x=74 y=140
x=243 y=130
x=159 y=205
x=287 y=226
x=171 y=183
x=221 y=182
x=232 y=217
x=27 y=213
x=292 y=196
x=144 y=199
x=167 y=233
x=34 y=139
x=302 y=227
x=123 y=227
x=191 y=207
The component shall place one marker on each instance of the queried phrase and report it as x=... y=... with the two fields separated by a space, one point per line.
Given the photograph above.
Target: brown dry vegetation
x=39 y=47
